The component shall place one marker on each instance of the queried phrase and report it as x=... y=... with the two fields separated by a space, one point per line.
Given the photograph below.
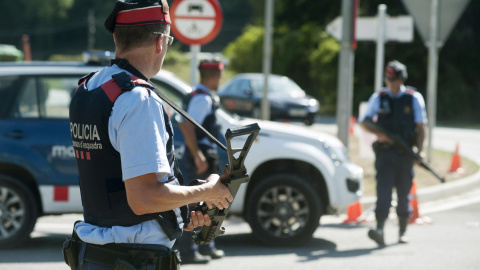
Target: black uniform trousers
x=394 y=169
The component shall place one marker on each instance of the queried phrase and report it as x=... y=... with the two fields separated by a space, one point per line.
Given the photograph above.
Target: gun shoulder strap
x=185 y=114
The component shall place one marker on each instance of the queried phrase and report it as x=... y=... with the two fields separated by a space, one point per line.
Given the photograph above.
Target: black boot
x=403 y=239
x=377 y=235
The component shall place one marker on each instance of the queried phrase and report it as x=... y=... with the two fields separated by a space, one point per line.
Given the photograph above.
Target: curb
x=437 y=192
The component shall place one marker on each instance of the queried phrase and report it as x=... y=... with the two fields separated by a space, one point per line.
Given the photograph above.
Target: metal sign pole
x=267 y=58
x=380 y=53
x=345 y=73
x=432 y=74
x=194 y=52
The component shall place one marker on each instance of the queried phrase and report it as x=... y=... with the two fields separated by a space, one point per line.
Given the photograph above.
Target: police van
x=296 y=174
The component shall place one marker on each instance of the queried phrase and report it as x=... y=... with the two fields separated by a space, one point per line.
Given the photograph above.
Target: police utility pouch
x=71 y=248
x=70 y=252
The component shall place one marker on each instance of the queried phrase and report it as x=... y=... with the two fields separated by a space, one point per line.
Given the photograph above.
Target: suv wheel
x=18 y=212
x=284 y=209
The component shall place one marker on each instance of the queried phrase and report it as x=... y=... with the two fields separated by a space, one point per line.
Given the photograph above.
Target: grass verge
x=441 y=161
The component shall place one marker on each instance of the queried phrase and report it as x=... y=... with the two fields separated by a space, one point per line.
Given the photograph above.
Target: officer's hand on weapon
x=219 y=194
x=197 y=219
x=383 y=138
x=200 y=162
x=420 y=157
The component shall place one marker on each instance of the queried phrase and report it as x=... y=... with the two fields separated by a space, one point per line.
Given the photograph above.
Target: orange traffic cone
x=353 y=213
x=351 y=124
x=415 y=216
x=413 y=203
x=455 y=165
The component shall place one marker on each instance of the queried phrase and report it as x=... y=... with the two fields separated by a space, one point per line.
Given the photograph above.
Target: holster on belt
x=71 y=248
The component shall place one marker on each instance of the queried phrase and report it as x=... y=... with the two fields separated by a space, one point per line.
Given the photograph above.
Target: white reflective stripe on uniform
x=61 y=199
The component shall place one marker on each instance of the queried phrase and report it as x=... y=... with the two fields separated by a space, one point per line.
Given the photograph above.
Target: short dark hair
x=208 y=73
x=132 y=37
x=210 y=68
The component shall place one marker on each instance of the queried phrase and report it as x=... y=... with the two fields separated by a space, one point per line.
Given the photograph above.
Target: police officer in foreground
x=134 y=204
x=400 y=110
x=201 y=157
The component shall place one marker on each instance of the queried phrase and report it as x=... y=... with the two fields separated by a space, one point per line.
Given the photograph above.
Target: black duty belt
x=387 y=146
x=137 y=255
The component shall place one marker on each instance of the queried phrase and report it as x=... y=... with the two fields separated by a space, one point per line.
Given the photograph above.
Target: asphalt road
x=450 y=241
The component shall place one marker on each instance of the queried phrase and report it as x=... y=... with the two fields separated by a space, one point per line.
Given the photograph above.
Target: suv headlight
x=338 y=154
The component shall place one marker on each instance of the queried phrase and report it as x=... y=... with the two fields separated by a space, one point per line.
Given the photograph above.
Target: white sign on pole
x=449 y=12
x=398 y=29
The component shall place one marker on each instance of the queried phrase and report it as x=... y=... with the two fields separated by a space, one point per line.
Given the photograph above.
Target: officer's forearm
x=381 y=137
x=367 y=129
x=146 y=195
x=188 y=132
x=420 y=136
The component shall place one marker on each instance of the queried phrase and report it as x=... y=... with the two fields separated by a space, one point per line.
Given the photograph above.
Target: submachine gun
x=236 y=167
x=401 y=145
x=238 y=176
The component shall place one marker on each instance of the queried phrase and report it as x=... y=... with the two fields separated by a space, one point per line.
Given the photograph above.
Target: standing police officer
x=201 y=157
x=398 y=109
x=134 y=205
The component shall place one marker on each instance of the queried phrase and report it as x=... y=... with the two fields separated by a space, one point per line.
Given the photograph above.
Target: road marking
x=451 y=203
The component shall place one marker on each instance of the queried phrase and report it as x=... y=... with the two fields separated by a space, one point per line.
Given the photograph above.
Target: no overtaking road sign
x=196 y=22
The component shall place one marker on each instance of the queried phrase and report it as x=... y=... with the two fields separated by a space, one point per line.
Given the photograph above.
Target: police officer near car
x=400 y=110
x=134 y=204
x=201 y=156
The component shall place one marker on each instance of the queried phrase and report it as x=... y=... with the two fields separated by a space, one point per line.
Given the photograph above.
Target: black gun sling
x=188 y=117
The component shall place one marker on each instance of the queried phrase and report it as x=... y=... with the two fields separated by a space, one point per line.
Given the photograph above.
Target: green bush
x=64 y=57
x=245 y=53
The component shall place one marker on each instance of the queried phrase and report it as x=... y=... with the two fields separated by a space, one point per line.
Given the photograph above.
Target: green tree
x=300 y=43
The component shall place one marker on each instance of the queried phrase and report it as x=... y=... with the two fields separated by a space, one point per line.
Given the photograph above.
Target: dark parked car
x=244 y=92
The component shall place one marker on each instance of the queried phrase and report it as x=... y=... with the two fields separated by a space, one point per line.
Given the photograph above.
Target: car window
x=38 y=97
x=239 y=86
x=7 y=94
x=27 y=103
x=55 y=94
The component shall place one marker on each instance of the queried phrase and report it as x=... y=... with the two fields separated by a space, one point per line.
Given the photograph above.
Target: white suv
x=296 y=174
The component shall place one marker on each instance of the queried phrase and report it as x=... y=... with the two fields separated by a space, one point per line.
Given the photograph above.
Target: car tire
x=309 y=120
x=18 y=212
x=283 y=209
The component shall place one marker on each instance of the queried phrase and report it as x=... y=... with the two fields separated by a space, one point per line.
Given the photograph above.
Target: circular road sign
x=196 y=21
